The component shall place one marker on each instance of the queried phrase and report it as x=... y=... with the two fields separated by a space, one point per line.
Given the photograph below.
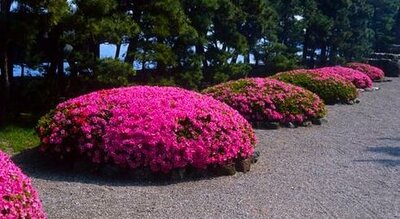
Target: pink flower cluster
x=263 y=99
x=317 y=75
x=372 y=72
x=359 y=79
x=158 y=127
x=17 y=197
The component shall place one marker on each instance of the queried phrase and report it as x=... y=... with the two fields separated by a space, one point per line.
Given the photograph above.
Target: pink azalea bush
x=332 y=88
x=17 y=197
x=372 y=72
x=263 y=99
x=163 y=128
x=359 y=79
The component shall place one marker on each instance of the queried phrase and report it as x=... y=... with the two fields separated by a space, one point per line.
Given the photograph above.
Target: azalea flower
x=18 y=199
x=163 y=128
x=359 y=79
x=269 y=100
x=372 y=72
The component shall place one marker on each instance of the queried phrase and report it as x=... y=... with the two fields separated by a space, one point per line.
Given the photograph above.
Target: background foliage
x=188 y=43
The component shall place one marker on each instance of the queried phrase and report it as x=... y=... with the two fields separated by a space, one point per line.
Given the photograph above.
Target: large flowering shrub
x=359 y=79
x=263 y=99
x=17 y=197
x=331 y=88
x=158 y=127
x=372 y=72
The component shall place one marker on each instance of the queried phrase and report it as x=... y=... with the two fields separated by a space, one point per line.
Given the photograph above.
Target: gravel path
x=348 y=168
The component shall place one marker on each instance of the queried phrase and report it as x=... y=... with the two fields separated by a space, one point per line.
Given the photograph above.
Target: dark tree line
x=189 y=43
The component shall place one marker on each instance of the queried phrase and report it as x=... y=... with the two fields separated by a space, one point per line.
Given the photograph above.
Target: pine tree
x=383 y=21
x=396 y=28
x=19 y=28
x=359 y=43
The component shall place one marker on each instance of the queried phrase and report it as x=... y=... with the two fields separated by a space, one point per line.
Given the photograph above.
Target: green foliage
x=58 y=10
x=14 y=139
x=113 y=73
x=360 y=41
x=114 y=29
x=339 y=30
x=277 y=58
x=226 y=72
x=239 y=86
x=290 y=28
x=96 y=8
x=189 y=43
x=93 y=23
x=34 y=95
x=396 y=28
x=189 y=78
x=331 y=90
x=383 y=21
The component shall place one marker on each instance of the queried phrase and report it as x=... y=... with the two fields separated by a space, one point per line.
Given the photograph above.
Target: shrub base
x=277 y=125
x=109 y=170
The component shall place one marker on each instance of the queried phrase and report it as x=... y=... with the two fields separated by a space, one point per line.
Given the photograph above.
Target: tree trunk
x=5 y=84
x=311 y=63
x=247 y=58
x=22 y=70
x=96 y=50
x=118 y=51
x=324 y=57
x=10 y=68
x=235 y=57
x=131 y=52
x=305 y=48
x=5 y=6
x=257 y=59
x=144 y=61
x=332 y=56
x=52 y=71
x=60 y=84
x=200 y=51
x=60 y=68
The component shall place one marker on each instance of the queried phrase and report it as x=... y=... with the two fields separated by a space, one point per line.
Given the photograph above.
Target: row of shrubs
x=167 y=128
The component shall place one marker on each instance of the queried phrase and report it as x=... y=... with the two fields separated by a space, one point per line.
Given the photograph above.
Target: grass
x=14 y=138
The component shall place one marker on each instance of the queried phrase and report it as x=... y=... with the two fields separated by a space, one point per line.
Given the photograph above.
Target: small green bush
x=331 y=88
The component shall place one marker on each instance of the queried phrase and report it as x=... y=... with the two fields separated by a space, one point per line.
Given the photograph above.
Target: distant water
x=106 y=51
x=27 y=71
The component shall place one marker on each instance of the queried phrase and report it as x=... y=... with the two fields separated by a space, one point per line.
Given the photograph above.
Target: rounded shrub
x=331 y=88
x=269 y=100
x=17 y=197
x=163 y=128
x=372 y=72
x=359 y=79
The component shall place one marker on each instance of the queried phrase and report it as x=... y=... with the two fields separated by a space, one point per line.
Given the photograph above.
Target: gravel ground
x=347 y=168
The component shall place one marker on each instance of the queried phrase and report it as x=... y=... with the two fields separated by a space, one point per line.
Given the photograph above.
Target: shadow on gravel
x=392 y=151
x=385 y=162
x=35 y=165
x=390 y=139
